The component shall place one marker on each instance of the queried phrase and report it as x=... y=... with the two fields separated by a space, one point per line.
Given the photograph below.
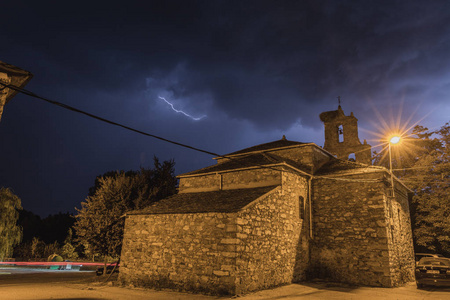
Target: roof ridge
x=269 y=146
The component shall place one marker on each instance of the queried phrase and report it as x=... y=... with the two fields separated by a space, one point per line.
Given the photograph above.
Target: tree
x=151 y=184
x=10 y=233
x=99 y=223
x=430 y=179
x=422 y=161
x=68 y=250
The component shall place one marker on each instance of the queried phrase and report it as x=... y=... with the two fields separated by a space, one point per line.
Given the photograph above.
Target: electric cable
x=31 y=94
x=26 y=92
x=71 y=108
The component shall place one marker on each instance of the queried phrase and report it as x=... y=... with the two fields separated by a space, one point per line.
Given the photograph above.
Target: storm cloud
x=255 y=69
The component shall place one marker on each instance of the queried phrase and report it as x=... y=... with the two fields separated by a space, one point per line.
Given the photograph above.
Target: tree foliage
x=10 y=232
x=99 y=225
x=422 y=161
x=430 y=179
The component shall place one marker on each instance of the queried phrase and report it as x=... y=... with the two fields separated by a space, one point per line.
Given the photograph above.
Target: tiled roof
x=226 y=201
x=267 y=146
x=337 y=165
x=252 y=160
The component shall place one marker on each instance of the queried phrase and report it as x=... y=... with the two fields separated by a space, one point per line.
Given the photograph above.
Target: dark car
x=114 y=267
x=433 y=271
x=419 y=256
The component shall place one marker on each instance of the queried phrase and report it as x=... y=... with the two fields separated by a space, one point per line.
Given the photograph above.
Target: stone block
x=231 y=228
x=221 y=273
x=230 y=241
x=240 y=221
x=229 y=254
x=227 y=267
x=241 y=235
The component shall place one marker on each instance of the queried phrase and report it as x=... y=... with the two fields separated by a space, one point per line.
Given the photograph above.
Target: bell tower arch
x=341 y=137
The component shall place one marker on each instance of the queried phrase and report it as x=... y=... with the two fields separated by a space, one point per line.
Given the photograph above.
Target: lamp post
x=392 y=141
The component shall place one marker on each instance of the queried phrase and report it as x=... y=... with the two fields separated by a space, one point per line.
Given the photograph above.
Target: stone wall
x=195 y=252
x=350 y=232
x=400 y=236
x=225 y=253
x=200 y=183
x=269 y=231
x=250 y=178
x=352 y=236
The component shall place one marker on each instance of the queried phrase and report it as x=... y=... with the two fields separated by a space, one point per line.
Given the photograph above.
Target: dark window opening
x=352 y=157
x=301 y=203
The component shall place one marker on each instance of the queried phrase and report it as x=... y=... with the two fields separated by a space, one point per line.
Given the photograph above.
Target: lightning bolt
x=180 y=111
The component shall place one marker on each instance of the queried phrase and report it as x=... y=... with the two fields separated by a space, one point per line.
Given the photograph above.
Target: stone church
x=276 y=213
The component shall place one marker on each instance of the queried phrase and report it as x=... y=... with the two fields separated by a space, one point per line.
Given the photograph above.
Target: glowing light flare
x=394 y=140
x=386 y=127
x=180 y=111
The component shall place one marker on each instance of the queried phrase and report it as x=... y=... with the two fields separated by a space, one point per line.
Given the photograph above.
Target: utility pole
x=11 y=75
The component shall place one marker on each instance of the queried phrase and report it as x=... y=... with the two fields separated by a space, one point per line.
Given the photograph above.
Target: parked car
x=420 y=255
x=109 y=268
x=433 y=271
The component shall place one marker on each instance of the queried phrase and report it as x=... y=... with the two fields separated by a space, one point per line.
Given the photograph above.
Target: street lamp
x=392 y=141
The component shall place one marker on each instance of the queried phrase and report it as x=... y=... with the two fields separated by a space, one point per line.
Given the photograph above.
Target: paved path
x=22 y=284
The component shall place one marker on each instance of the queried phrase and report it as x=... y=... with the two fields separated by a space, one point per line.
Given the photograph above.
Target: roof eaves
x=229 y=170
x=248 y=168
x=373 y=169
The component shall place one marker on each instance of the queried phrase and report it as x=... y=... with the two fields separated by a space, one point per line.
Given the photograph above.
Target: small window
x=301 y=203
x=352 y=157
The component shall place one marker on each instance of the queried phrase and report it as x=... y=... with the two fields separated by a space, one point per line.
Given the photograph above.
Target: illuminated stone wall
x=230 y=180
x=357 y=238
x=250 y=178
x=400 y=239
x=195 y=252
x=220 y=253
x=271 y=234
x=201 y=183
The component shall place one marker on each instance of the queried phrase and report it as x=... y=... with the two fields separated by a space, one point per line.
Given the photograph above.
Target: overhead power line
x=31 y=94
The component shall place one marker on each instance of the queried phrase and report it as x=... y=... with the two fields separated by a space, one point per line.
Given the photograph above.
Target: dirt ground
x=46 y=284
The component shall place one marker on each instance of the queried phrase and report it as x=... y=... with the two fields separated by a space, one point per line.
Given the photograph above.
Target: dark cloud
x=256 y=69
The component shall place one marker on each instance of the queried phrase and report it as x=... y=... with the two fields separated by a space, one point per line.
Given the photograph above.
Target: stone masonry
x=357 y=236
x=216 y=252
x=269 y=215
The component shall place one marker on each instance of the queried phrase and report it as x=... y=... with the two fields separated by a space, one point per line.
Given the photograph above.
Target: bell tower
x=341 y=137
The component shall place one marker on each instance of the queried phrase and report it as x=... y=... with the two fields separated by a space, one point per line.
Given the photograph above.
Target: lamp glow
x=394 y=140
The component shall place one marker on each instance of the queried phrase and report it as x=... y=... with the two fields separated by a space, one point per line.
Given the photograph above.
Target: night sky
x=244 y=72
